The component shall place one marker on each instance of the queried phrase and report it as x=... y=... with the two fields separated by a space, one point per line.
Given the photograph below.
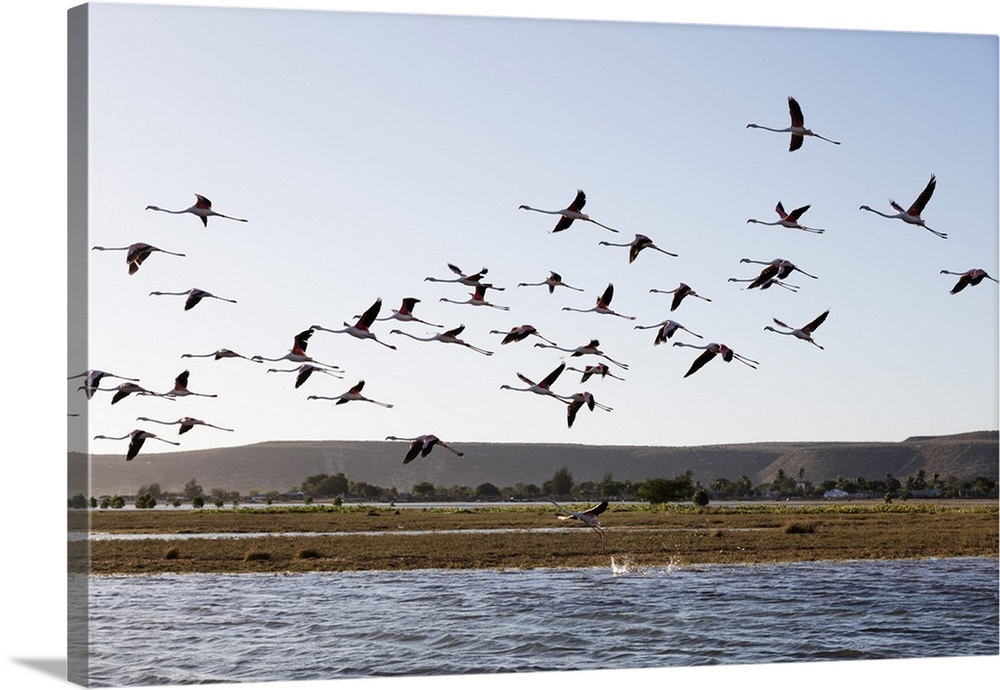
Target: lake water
x=179 y=629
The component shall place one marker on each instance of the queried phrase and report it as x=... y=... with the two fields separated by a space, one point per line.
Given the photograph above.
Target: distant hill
x=282 y=465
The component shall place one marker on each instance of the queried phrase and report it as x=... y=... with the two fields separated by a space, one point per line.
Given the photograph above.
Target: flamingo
x=577 y=401
x=180 y=388
x=137 y=438
x=680 y=292
x=405 y=313
x=587 y=517
x=553 y=281
x=136 y=254
x=423 y=445
x=590 y=348
x=912 y=214
x=974 y=276
x=470 y=279
x=570 y=213
x=297 y=353
x=779 y=268
x=602 y=370
x=478 y=298
x=789 y=220
x=305 y=371
x=93 y=379
x=519 y=333
x=194 y=295
x=202 y=208
x=666 y=330
x=187 y=423
x=804 y=333
x=637 y=245
x=353 y=394
x=222 y=353
x=446 y=337
x=540 y=388
x=360 y=328
x=602 y=304
x=764 y=282
x=710 y=351
x=796 y=129
x=123 y=390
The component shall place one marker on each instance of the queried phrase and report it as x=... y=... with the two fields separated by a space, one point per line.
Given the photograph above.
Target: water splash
x=625 y=567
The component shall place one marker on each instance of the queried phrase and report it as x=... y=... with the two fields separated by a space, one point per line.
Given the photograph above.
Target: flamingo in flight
x=637 y=245
x=123 y=390
x=797 y=129
x=587 y=517
x=519 y=333
x=974 y=276
x=764 y=283
x=137 y=438
x=92 y=379
x=222 y=353
x=602 y=306
x=680 y=292
x=789 y=220
x=602 y=370
x=710 y=351
x=576 y=401
x=553 y=281
x=194 y=295
x=361 y=328
x=912 y=215
x=136 y=254
x=202 y=208
x=297 y=353
x=570 y=213
x=180 y=388
x=353 y=394
x=186 y=423
x=470 y=279
x=804 y=333
x=478 y=298
x=540 y=388
x=778 y=268
x=666 y=329
x=305 y=371
x=422 y=445
x=405 y=313
x=591 y=348
x=446 y=337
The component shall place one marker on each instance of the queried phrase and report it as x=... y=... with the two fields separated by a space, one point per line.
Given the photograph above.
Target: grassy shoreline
x=449 y=538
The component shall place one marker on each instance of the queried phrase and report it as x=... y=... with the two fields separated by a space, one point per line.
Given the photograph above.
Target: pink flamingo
x=912 y=215
x=974 y=276
x=710 y=351
x=680 y=292
x=136 y=254
x=446 y=337
x=137 y=438
x=796 y=129
x=194 y=295
x=570 y=213
x=602 y=306
x=202 y=208
x=405 y=313
x=552 y=282
x=637 y=245
x=804 y=333
x=789 y=220
x=361 y=328
x=186 y=423
x=422 y=445
x=351 y=395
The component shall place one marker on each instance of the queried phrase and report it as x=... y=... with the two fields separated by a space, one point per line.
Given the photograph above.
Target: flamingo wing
x=553 y=375
x=413 y=450
x=703 y=359
x=453 y=333
x=918 y=206
x=571 y=411
x=182 y=379
x=606 y=297
x=795 y=111
x=368 y=318
x=596 y=510
x=794 y=215
x=578 y=202
x=815 y=323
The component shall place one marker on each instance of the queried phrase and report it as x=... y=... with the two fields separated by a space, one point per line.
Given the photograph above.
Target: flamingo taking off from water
x=680 y=292
x=360 y=329
x=590 y=348
x=912 y=215
x=353 y=394
x=470 y=279
x=194 y=295
x=519 y=333
x=602 y=370
x=587 y=517
x=666 y=329
x=297 y=353
x=570 y=213
x=789 y=220
x=305 y=371
x=602 y=306
x=137 y=438
x=446 y=337
x=405 y=313
x=478 y=298
x=540 y=388
x=202 y=208
x=187 y=423
x=974 y=276
x=180 y=388
x=136 y=254
x=553 y=281
x=422 y=445
x=222 y=353
x=93 y=379
x=804 y=333
x=796 y=129
x=637 y=245
x=576 y=401
x=710 y=351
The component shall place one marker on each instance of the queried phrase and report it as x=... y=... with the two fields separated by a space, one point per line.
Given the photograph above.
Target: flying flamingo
x=570 y=213
x=360 y=329
x=123 y=390
x=587 y=517
x=221 y=353
x=305 y=371
x=912 y=214
x=782 y=268
x=804 y=333
x=680 y=292
x=93 y=379
x=590 y=348
x=797 y=128
x=405 y=313
x=180 y=389
x=138 y=437
x=789 y=220
x=446 y=337
x=974 y=276
x=710 y=351
x=470 y=279
x=601 y=370
x=666 y=330
x=422 y=445
x=553 y=281
x=637 y=245
x=187 y=423
x=202 y=209
x=540 y=388
x=136 y=254
x=519 y=333
x=764 y=282
x=478 y=298
x=577 y=401
x=602 y=304
x=297 y=353
x=353 y=394
x=194 y=295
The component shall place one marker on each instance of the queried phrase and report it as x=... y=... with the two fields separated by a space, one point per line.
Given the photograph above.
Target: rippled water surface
x=172 y=629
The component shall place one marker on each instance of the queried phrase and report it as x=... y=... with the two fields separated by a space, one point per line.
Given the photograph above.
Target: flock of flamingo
x=773 y=273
